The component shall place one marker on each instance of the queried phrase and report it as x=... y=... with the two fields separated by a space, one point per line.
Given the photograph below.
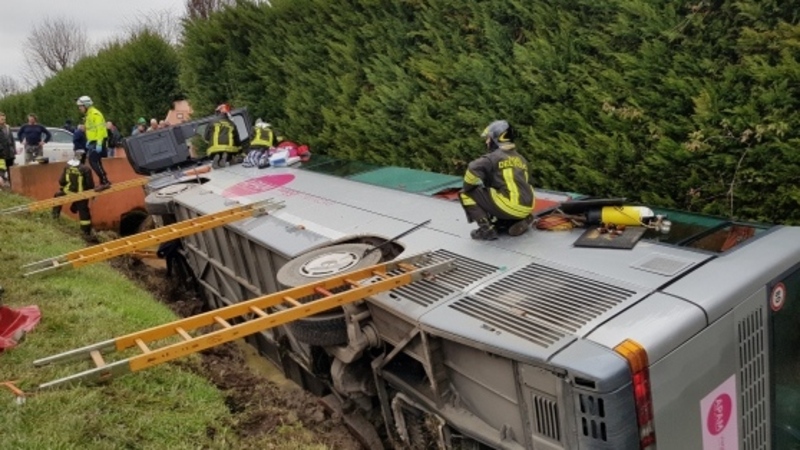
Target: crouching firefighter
x=497 y=194
x=263 y=140
x=77 y=178
x=223 y=138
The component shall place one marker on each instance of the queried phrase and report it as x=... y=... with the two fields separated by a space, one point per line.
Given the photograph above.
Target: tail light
x=636 y=356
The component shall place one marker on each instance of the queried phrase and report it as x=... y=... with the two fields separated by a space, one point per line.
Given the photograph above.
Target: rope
x=559 y=221
x=554 y=223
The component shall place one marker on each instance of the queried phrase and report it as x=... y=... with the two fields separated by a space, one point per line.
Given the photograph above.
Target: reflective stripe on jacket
x=221 y=137
x=505 y=174
x=263 y=138
x=76 y=179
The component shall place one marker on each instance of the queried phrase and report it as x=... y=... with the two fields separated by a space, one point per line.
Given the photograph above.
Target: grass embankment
x=165 y=407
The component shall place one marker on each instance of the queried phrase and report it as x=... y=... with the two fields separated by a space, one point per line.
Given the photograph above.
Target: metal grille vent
x=593 y=424
x=558 y=300
x=662 y=264
x=427 y=292
x=502 y=319
x=753 y=375
x=547 y=422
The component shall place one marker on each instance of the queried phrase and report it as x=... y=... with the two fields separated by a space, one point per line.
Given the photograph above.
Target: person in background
x=79 y=140
x=96 y=135
x=114 y=138
x=68 y=126
x=140 y=127
x=153 y=125
x=496 y=188
x=76 y=178
x=7 y=151
x=163 y=124
x=30 y=135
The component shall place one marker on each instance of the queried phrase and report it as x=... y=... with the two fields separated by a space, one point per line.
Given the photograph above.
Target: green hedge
x=125 y=80
x=687 y=105
x=672 y=103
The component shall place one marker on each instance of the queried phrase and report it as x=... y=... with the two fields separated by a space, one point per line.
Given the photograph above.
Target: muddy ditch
x=259 y=405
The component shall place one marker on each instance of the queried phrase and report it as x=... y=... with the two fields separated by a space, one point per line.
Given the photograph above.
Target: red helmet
x=223 y=109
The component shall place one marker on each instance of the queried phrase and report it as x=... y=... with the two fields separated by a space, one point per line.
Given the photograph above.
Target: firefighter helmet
x=223 y=109
x=84 y=100
x=499 y=132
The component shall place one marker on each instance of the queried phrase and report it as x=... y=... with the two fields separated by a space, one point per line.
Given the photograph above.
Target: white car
x=58 y=149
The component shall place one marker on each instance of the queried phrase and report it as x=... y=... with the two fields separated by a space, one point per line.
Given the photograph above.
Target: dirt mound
x=260 y=407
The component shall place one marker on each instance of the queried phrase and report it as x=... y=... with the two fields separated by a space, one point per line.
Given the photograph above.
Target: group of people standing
x=142 y=126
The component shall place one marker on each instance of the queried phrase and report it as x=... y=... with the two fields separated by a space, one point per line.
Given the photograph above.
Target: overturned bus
x=683 y=340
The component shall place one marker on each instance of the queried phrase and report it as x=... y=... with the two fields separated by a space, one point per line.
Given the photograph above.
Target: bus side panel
x=686 y=376
x=718 y=360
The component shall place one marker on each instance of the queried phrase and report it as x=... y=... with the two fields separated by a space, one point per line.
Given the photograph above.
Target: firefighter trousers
x=81 y=208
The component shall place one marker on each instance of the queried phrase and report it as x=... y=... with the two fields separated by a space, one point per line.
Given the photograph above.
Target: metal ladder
x=69 y=198
x=148 y=239
x=242 y=319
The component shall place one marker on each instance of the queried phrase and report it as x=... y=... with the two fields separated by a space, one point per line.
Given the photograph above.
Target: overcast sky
x=102 y=20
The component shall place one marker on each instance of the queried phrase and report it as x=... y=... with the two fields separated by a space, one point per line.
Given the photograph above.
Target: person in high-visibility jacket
x=76 y=178
x=496 y=188
x=260 y=144
x=96 y=137
x=223 y=138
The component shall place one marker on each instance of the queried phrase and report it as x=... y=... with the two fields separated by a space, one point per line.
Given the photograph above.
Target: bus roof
x=529 y=296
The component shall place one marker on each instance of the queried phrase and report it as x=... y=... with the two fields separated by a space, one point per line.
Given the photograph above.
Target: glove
x=92 y=146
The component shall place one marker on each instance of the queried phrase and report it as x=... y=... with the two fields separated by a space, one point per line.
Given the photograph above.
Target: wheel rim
x=329 y=264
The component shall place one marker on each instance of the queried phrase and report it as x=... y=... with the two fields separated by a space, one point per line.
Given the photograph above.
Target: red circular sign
x=258 y=185
x=719 y=414
x=778 y=297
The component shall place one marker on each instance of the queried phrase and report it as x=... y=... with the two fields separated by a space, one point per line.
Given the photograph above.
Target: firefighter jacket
x=76 y=179
x=222 y=137
x=263 y=138
x=95 y=126
x=504 y=172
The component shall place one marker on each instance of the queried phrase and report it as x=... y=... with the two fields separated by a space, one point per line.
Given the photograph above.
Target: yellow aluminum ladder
x=148 y=239
x=242 y=319
x=69 y=198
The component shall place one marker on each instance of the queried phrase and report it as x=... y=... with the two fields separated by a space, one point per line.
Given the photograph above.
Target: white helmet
x=261 y=124
x=84 y=100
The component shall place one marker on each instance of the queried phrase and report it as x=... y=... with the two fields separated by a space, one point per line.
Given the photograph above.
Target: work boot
x=102 y=187
x=218 y=161
x=521 y=226
x=485 y=231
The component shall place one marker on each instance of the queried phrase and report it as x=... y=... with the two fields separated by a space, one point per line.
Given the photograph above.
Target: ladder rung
x=407 y=267
x=351 y=282
x=323 y=291
x=142 y=346
x=258 y=311
x=97 y=358
x=186 y=336
x=379 y=274
x=292 y=301
x=222 y=322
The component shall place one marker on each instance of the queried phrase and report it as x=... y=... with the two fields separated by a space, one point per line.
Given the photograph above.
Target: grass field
x=166 y=407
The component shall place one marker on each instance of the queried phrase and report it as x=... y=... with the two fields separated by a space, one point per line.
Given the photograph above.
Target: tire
x=327 y=328
x=160 y=202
